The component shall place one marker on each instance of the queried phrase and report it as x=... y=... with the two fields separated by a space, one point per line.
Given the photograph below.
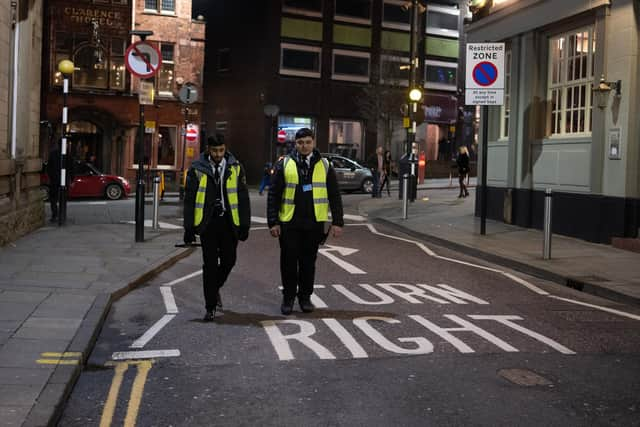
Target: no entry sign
x=192 y=133
x=485 y=74
x=282 y=135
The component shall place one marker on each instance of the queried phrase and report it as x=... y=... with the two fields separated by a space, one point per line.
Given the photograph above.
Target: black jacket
x=191 y=188
x=304 y=215
x=463 y=163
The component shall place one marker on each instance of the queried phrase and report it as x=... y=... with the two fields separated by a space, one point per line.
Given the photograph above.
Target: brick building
x=103 y=101
x=21 y=207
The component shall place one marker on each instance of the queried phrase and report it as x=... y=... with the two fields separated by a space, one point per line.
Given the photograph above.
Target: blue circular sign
x=485 y=73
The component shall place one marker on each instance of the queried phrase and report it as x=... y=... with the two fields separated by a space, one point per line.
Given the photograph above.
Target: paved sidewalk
x=449 y=221
x=56 y=287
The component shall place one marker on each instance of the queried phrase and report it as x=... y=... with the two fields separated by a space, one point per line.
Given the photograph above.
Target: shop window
x=505 y=109
x=161 y=6
x=394 y=70
x=97 y=66
x=290 y=125
x=165 y=75
x=358 y=11
x=299 y=60
x=351 y=66
x=571 y=57
x=90 y=70
x=166 y=148
x=303 y=7
x=395 y=14
x=443 y=21
x=440 y=75
x=224 y=59
x=345 y=138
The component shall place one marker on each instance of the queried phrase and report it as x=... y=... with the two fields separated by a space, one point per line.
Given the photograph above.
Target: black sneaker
x=219 y=303
x=209 y=316
x=306 y=305
x=287 y=306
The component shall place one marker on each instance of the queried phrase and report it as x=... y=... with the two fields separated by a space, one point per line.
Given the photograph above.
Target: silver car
x=351 y=175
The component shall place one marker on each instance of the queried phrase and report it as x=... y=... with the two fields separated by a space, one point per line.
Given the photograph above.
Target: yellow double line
x=66 y=358
x=136 y=392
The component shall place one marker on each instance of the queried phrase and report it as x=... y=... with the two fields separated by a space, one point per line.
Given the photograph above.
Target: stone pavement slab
x=56 y=287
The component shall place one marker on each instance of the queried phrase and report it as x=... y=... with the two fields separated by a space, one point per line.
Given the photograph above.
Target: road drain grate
x=523 y=377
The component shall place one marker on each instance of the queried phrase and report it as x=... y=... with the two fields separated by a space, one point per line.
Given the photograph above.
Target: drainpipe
x=13 y=78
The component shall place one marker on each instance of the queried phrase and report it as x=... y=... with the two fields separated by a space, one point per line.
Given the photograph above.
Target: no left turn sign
x=143 y=59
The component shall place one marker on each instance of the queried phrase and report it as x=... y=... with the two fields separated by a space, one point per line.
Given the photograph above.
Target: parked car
x=350 y=174
x=88 y=181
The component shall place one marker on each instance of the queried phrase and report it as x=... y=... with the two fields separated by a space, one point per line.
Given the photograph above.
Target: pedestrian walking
x=53 y=173
x=375 y=163
x=386 y=173
x=303 y=190
x=216 y=207
x=463 y=169
x=266 y=178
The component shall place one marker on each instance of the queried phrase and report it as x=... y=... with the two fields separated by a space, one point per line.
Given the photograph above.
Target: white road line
x=169 y=301
x=164 y=225
x=259 y=228
x=429 y=252
x=343 y=264
x=144 y=354
x=259 y=219
x=354 y=217
x=608 y=310
x=183 y=278
x=152 y=331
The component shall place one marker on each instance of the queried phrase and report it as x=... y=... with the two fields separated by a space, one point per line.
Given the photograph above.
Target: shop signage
x=485 y=74
x=440 y=108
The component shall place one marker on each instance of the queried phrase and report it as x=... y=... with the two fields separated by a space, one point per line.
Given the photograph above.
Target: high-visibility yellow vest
x=319 y=190
x=232 y=192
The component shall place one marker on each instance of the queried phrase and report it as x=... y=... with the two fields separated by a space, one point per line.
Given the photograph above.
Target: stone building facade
x=555 y=131
x=21 y=204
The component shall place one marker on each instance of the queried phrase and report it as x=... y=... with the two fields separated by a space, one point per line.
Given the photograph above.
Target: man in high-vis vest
x=303 y=190
x=216 y=206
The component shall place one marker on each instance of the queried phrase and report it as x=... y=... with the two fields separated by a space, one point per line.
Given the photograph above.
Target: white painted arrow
x=344 y=252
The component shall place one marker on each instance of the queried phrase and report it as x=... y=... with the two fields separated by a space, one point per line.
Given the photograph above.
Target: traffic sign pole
x=485 y=149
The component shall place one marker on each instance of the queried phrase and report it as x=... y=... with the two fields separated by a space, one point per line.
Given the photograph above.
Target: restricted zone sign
x=143 y=59
x=485 y=74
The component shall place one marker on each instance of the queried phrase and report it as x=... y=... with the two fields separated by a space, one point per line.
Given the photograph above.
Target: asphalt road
x=405 y=334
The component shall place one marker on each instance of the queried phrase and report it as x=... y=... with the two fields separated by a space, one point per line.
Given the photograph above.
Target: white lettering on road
x=466 y=327
x=408 y=292
x=423 y=345
x=452 y=294
x=506 y=320
x=280 y=341
x=382 y=297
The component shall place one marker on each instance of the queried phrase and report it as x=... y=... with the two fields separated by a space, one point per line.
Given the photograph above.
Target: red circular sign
x=192 y=134
x=282 y=135
x=485 y=73
x=143 y=59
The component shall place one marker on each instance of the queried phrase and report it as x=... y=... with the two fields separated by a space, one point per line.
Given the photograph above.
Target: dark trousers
x=54 y=195
x=385 y=180
x=298 y=252
x=219 y=245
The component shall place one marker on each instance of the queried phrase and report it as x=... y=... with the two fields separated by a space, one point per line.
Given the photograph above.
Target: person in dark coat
x=53 y=173
x=216 y=207
x=266 y=178
x=303 y=190
x=463 y=169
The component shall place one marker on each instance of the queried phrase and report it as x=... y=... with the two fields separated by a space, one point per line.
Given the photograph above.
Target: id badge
x=307 y=187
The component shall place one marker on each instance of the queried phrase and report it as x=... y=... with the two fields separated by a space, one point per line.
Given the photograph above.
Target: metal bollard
x=546 y=244
x=405 y=196
x=156 y=203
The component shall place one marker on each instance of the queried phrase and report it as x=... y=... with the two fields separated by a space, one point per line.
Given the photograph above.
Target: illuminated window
x=571 y=62
x=166 y=147
x=165 y=75
x=394 y=70
x=163 y=6
x=345 y=138
x=443 y=21
x=440 y=75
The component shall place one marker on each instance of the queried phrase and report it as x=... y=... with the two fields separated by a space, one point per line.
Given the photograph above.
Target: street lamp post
x=66 y=68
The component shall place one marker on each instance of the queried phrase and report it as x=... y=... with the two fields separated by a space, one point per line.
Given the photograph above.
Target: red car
x=90 y=182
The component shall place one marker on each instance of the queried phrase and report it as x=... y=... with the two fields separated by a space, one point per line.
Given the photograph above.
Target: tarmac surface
x=58 y=283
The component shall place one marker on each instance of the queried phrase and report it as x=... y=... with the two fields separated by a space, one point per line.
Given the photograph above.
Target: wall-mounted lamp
x=601 y=91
